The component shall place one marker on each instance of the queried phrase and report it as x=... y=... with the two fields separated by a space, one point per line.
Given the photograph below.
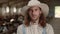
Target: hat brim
x=44 y=8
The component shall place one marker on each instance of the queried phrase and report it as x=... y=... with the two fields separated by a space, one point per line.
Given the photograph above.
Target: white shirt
x=35 y=29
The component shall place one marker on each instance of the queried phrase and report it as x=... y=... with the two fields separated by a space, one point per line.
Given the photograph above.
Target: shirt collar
x=36 y=22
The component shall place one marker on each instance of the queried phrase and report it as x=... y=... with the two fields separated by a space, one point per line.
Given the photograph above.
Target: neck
x=34 y=21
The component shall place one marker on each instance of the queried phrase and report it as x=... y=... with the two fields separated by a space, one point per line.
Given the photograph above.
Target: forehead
x=33 y=8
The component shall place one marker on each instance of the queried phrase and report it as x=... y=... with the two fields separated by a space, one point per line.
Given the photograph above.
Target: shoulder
x=19 y=29
x=48 y=25
x=49 y=28
x=20 y=26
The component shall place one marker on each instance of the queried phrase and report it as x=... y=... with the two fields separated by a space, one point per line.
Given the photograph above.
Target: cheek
x=30 y=14
x=38 y=12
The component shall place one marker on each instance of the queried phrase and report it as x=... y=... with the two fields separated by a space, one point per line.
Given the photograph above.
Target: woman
x=35 y=14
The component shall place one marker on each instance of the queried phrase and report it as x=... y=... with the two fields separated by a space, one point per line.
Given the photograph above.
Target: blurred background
x=10 y=17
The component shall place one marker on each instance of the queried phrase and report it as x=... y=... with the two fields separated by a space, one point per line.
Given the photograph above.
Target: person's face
x=34 y=12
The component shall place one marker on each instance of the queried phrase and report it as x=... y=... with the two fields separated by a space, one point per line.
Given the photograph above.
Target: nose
x=33 y=12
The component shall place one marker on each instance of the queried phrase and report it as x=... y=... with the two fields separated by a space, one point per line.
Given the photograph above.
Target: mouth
x=33 y=16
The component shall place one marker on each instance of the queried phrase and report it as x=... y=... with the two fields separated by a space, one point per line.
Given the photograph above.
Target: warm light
x=19 y=10
x=7 y=9
x=14 y=9
x=3 y=10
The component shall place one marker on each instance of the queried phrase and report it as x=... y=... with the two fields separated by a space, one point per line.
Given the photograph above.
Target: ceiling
x=12 y=2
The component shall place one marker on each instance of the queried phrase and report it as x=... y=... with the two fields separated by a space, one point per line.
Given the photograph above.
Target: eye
x=35 y=9
x=30 y=10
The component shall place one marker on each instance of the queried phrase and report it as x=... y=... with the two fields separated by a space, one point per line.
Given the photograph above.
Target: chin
x=33 y=18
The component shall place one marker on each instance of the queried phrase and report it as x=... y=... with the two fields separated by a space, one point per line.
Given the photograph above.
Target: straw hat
x=44 y=7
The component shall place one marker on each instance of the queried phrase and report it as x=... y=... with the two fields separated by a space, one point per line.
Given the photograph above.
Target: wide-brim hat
x=44 y=7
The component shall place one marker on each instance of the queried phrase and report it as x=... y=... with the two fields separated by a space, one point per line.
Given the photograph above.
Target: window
x=57 y=11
